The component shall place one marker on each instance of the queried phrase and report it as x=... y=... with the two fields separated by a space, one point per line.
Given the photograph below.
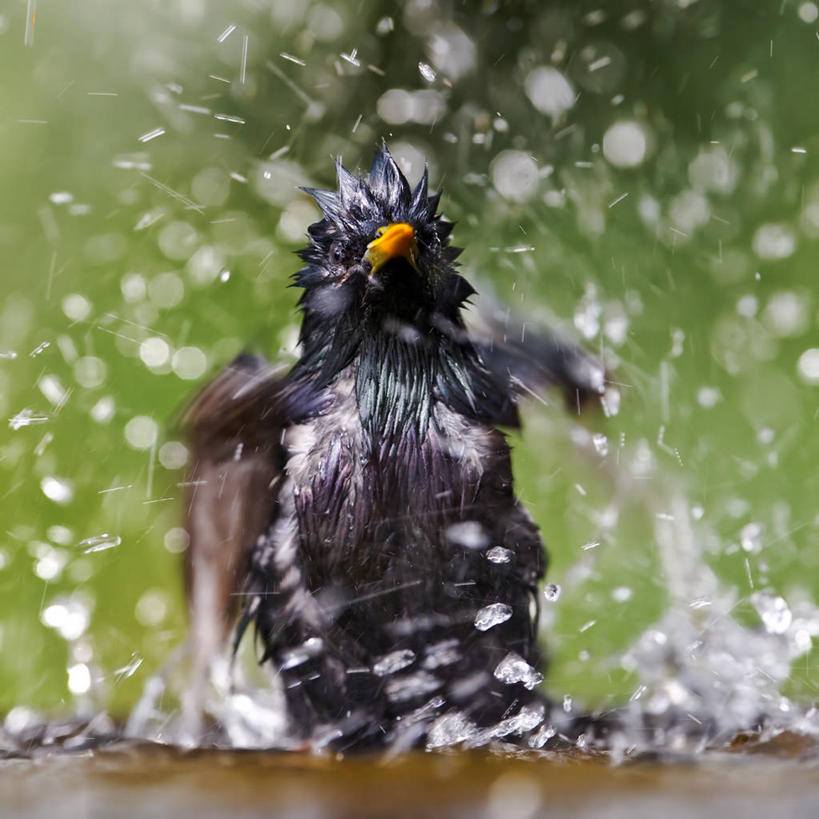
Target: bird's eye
x=337 y=253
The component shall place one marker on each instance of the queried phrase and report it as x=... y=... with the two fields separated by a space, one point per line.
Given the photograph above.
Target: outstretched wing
x=527 y=358
x=235 y=439
x=532 y=360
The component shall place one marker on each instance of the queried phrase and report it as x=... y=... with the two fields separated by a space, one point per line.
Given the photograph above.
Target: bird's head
x=381 y=252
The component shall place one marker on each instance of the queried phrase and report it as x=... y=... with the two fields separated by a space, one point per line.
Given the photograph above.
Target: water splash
x=703 y=677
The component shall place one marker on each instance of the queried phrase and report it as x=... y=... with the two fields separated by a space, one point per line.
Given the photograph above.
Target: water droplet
x=787 y=313
x=90 y=371
x=129 y=669
x=411 y=686
x=625 y=144
x=211 y=186
x=638 y=692
x=299 y=655
x=514 y=669
x=451 y=729
x=50 y=562
x=152 y=608
x=52 y=389
x=551 y=591
x=149 y=218
x=808 y=12
x=451 y=50
x=427 y=71
x=543 y=735
x=20 y=718
x=99 y=543
x=178 y=240
x=688 y=211
x=527 y=719
x=154 y=352
x=166 y=290
x=610 y=401
x=325 y=23
x=750 y=538
x=76 y=307
x=588 y=313
x=766 y=436
x=384 y=26
x=713 y=169
x=802 y=641
x=133 y=287
x=395 y=661
x=173 y=455
x=514 y=175
x=56 y=489
x=25 y=418
x=808 y=366
x=79 y=678
x=397 y=106
x=176 y=540
x=497 y=554
x=104 y=248
x=468 y=533
x=103 y=411
x=549 y=91
x=492 y=615
x=708 y=397
x=774 y=612
x=774 y=241
x=441 y=654
x=189 y=363
x=677 y=342
x=68 y=616
x=141 y=432
x=61 y=197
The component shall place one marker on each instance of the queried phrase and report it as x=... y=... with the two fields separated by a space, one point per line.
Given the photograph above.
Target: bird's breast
x=363 y=502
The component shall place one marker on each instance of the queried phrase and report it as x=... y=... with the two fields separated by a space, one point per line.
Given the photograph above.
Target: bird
x=358 y=509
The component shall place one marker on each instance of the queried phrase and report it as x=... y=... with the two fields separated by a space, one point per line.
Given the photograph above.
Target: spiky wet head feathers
x=396 y=314
x=363 y=204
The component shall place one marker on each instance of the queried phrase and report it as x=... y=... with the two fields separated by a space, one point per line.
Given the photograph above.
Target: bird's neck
x=396 y=374
x=400 y=369
x=396 y=365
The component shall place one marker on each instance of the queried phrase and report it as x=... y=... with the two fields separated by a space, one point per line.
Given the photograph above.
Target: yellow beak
x=391 y=241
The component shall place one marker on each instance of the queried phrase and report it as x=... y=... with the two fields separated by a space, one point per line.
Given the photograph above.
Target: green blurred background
x=640 y=174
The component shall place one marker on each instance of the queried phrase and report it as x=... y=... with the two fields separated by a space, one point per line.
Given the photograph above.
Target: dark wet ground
x=779 y=778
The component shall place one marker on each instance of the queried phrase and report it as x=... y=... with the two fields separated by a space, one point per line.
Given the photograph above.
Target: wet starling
x=362 y=503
